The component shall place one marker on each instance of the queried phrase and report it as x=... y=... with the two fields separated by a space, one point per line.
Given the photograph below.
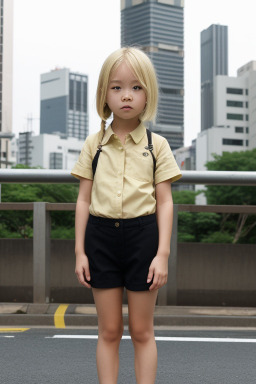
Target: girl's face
x=125 y=96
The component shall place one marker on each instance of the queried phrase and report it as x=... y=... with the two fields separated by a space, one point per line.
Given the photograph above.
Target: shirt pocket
x=139 y=165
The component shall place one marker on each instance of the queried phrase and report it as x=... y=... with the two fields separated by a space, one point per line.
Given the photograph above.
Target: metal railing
x=41 y=219
x=188 y=177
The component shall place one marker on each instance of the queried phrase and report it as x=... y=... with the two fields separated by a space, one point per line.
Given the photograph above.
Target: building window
x=235 y=91
x=247 y=104
x=247 y=92
x=78 y=96
x=239 y=129
x=246 y=143
x=56 y=160
x=75 y=151
x=71 y=94
x=247 y=117
x=232 y=142
x=234 y=103
x=234 y=116
x=84 y=106
x=247 y=129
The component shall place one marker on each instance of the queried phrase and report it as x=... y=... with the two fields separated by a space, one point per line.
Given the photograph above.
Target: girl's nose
x=126 y=97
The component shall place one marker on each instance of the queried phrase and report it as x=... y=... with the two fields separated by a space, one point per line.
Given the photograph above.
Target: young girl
x=124 y=212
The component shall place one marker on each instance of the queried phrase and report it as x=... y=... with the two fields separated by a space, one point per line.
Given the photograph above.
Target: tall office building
x=214 y=61
x=6 y=70
x=156 y=26
x=64 y=103
x=234 y=124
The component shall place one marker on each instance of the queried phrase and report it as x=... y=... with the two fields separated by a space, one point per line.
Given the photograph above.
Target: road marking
x=59 y=316
x=207 y=339
x=72 y=337
x=13 y=330
x=7 y=337
x=160 y=338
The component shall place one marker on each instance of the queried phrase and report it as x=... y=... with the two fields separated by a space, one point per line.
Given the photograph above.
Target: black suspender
x=149 y=147
x=95 y=159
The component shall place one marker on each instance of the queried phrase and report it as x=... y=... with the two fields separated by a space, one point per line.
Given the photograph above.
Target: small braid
x=102 y=129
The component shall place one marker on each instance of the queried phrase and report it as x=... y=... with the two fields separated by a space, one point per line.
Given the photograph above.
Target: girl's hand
x=159 y=269
x=82 y=270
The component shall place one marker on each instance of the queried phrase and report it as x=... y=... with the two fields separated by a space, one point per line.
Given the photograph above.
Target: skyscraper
x=156 y=26
x=6 y=78
x=214 y=61
x=64 y=103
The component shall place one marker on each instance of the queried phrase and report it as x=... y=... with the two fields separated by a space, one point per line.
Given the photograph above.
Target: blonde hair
x=143 y=70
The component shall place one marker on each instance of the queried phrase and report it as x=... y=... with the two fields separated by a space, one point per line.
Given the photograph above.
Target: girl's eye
x=116 y=87
x=137 y=87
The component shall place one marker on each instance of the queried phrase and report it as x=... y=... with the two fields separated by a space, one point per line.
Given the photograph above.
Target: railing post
x=41 y=253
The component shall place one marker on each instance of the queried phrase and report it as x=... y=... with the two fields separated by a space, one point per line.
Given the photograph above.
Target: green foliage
x=206 y=222
x=185 y=227
x=19 y=224
x=6 y=233
x=194 y=227
x=235 y=195
x=63 y=233
x=218 y=237
x=238 y=228
x=184 y=197
x=185 y=238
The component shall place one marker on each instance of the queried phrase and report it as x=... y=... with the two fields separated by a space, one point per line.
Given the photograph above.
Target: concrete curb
x=24 y=314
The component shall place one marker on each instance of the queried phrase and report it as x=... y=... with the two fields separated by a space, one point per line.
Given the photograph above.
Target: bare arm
x=164 y=211
x=82 y=213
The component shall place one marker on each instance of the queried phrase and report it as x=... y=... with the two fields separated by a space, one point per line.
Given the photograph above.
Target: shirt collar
x=136 y=134
x=108 y=133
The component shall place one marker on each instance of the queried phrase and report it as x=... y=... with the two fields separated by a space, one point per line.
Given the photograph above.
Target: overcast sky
x=80 y=34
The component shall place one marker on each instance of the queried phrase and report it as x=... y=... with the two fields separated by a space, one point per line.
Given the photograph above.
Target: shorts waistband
x=133 y=222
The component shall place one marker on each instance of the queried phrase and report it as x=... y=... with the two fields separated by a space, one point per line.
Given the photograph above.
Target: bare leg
x=110 y=323
x=141 y=325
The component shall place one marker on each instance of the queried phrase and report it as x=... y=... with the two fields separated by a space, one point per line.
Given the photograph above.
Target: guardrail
x=188 y=177
x=41 y=219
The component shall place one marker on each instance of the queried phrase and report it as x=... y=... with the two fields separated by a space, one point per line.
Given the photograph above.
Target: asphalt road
x=67 y=356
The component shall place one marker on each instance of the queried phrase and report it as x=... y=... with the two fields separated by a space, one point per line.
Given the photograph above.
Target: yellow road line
x=15 y=330
x=59 y=316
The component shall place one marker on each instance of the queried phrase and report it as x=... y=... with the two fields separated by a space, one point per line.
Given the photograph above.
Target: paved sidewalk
x=28 y=314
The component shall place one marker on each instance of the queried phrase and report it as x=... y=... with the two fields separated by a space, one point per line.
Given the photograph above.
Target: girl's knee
x=141 y=333
x=111 y=333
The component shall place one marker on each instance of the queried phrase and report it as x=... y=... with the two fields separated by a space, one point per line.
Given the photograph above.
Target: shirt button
x=119 y=173
x=118 y=193
x=117 y=224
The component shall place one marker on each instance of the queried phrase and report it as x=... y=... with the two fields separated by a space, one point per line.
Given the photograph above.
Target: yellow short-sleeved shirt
x=123 y=182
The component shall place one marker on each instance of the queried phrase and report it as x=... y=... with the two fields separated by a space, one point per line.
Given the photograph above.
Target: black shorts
x=120 y=251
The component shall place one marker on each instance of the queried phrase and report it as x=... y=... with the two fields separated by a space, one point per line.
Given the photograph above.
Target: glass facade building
x=214 y=61
x=6 y=81
x=64 y=99
x=156 y=26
